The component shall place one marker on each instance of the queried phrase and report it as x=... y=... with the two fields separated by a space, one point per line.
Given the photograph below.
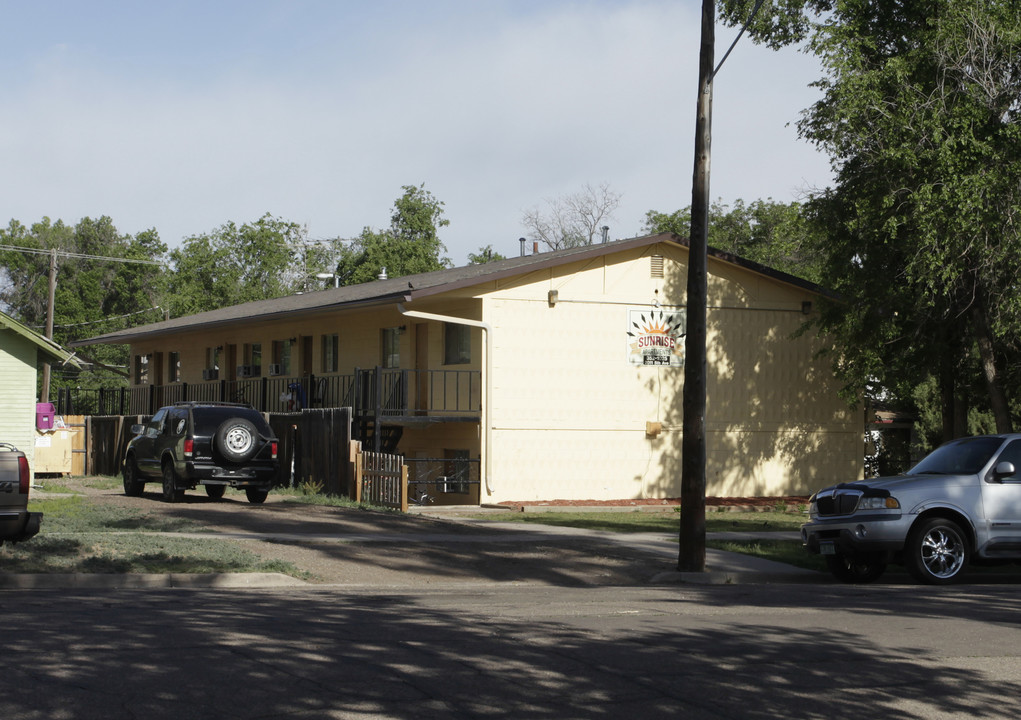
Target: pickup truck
x=959 y=506
x=16 y=522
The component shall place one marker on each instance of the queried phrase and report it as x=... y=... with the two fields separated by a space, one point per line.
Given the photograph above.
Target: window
x=174 y=369
x=252 y=357
x=331 y=350
x=282 y=356
x=155 y=425
x=457 y=348
x=142 y=369
x=1012 y=454
x=391 y=347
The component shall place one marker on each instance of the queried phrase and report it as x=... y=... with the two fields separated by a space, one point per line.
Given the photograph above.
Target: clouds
x=186 y=116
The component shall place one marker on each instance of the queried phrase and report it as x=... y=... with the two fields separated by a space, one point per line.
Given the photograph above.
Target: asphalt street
x=516 y=650
x=429 y=618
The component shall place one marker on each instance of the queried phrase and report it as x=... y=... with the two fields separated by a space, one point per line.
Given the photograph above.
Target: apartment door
x=231 y=360
x=306 y=355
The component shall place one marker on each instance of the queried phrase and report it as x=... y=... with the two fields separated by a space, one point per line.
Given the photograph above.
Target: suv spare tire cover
x=235 y=439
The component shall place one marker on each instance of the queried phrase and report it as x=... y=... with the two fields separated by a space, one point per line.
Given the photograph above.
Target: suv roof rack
x=212 y=403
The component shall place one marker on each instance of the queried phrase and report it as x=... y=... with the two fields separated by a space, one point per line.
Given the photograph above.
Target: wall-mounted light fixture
x=553 y=296
x=806 y=307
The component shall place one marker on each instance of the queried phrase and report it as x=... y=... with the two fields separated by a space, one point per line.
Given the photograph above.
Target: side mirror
x=1003 y=469
x=137 y=429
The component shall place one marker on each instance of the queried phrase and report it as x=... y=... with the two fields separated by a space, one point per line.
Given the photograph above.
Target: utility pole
x=691 y=557
x=44 y=394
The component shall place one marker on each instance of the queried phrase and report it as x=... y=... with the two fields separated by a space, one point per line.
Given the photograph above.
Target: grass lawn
x=638 y=521
x=84 y=536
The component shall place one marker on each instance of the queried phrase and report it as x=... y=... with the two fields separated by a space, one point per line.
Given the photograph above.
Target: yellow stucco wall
x=570 y=414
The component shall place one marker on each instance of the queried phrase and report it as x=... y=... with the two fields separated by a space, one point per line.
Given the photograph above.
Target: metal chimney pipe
x=606 y=233
x=382 y=273
x=522 y=241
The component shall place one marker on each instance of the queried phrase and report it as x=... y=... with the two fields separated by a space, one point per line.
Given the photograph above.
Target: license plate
x=827 y=548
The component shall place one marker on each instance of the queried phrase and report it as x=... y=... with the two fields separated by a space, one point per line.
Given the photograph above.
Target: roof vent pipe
x=382 y=273
x=535 y=248
x=522 y=241
x=606 y=233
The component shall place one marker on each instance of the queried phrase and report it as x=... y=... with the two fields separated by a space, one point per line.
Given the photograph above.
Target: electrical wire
x=81 y=256
x=744 y=27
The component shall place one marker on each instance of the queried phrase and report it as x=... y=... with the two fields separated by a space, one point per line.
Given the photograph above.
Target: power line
x=65 y=253
x=108 y=319
x=755 y=11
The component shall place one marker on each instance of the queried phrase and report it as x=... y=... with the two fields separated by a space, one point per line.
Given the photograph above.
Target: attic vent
x=656 y=266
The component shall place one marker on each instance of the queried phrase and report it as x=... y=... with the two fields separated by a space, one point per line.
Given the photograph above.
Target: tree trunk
x=947 y=397
x=953 y=401
x=997 y=397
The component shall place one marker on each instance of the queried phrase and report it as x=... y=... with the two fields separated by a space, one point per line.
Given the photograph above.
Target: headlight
x=878 y=503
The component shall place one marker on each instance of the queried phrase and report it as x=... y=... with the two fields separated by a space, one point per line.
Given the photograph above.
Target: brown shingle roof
x=410 y=287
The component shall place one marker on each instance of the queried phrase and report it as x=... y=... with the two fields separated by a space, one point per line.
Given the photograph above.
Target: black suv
x=211 y=444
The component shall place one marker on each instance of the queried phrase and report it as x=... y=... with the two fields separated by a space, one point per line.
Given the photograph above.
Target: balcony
x=383 y=396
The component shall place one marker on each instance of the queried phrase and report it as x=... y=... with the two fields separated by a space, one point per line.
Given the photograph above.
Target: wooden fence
x=381 y=479
x=315 y=448
x=312 y=443
x=321 y=438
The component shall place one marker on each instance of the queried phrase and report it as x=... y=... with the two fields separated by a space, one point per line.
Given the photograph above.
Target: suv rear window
x=209 y=418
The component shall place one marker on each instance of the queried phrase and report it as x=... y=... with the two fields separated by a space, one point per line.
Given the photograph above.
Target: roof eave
x=127 y=336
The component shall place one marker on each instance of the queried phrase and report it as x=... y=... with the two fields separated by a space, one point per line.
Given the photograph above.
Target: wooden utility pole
x=44 y=393
x=691 y=557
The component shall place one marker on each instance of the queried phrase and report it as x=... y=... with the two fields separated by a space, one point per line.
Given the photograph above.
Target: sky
x=182 y=116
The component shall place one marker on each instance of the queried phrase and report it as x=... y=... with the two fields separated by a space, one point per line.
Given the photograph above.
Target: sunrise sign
x=656 y=337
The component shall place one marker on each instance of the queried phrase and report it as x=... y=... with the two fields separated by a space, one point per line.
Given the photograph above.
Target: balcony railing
x=376 y=392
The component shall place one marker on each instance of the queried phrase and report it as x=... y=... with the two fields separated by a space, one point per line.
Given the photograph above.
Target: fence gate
x=321 y=448
x=382 y=479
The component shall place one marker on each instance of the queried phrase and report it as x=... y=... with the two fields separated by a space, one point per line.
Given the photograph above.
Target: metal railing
x=376 y=392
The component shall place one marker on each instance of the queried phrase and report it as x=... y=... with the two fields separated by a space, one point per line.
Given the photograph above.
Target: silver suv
x=960 y=505
x=16 y=522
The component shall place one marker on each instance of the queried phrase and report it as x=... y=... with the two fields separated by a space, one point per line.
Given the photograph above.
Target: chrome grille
x=839 y=502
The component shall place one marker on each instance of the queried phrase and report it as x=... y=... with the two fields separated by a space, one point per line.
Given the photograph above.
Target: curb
x=675 y=577
x=127 y=581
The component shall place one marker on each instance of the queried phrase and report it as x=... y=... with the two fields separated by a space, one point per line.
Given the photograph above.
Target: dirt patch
x=351 y=546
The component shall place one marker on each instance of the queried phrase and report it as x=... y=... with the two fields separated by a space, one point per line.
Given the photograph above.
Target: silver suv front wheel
x=936 y=552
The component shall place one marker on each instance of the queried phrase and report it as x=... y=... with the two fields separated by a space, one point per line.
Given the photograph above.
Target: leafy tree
x=409 y=246
x=920 y=117
x=485 y=255
x=105 y=282
x=572 y=220
x=774 y=234
x=236 y=264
